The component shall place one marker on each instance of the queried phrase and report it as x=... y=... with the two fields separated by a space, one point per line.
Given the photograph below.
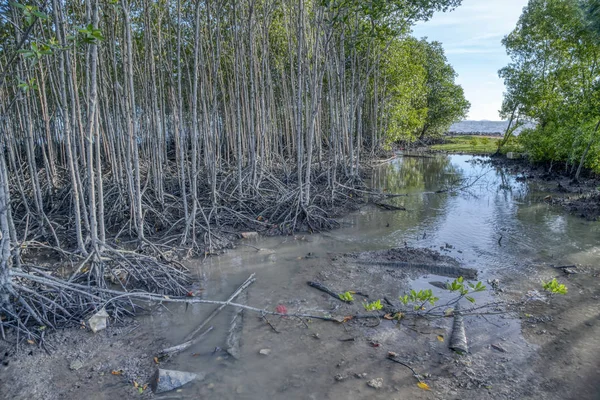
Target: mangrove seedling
x=419 y=298
x=373 y=306
x=554 y=287
x=347 y=296
x=458 y=285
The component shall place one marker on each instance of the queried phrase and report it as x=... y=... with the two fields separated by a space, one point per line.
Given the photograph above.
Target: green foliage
x=591 y=9
x=373 y=306
x=553 y=79
x=90 y=35
x=459 y=286
x=419 y=298
x=30 y=13
x=469 y=144
x=36 y=51
x=424 y=99
x=347 y=296
x=28 y=85
x=446 y=102
x=554 y=287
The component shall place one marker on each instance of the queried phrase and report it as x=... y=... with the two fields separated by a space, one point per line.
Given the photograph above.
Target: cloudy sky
x=471 y=36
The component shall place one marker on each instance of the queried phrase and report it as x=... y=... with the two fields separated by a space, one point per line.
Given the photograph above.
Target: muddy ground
x=545 y=348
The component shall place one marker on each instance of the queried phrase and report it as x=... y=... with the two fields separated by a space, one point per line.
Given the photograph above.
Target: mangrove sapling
x=346 y=297
x=373 y=306
x=554 y=287
x=419 y=299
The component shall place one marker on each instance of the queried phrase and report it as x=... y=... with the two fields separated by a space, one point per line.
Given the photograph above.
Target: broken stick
x=183 y=346
x=191 y=338
x=235 y=294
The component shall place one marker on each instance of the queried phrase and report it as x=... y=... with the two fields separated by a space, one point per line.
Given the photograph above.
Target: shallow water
x=493 y=223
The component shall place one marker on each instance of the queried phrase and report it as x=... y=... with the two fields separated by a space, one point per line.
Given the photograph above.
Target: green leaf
x=40 y=15
x=472 y=300
x=18 y=5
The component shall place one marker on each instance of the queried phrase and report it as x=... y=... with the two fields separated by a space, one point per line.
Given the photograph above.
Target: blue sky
x=471 y=36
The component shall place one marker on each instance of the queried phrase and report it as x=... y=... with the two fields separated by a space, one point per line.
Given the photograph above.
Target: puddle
x=497 y=225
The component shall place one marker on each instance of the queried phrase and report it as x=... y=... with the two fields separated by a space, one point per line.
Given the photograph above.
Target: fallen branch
x=190 y=338
x=235 y=294
x=183 y=346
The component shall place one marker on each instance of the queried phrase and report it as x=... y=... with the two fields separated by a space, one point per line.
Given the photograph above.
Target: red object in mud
x=281 y=309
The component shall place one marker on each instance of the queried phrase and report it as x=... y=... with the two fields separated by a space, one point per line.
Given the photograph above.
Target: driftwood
x=458 y=340
x=235 y=294
x=445 y=270
x=183 y=346
x=191 y=338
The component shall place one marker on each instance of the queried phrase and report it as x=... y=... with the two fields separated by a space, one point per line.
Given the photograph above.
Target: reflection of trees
x=413 y=175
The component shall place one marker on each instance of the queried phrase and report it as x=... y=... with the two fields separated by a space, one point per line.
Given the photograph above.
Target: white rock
x=249 y=235
x=376 y=383
x=98 y=321
x=75 y=365
x=265 y=352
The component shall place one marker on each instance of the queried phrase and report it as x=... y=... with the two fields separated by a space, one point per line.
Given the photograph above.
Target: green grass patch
x=469 y=144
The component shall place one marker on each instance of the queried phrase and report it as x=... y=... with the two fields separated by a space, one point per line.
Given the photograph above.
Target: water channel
x=496 y=223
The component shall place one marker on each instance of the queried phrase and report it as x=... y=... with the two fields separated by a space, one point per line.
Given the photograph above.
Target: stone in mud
x=75 y=365
x=249 y=235
x=376 y=383
x=98 y=321
x=165 y=380
x=264 y=352
x=498 y=348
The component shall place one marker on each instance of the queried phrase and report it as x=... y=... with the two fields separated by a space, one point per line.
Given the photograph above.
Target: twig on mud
x=264 y=317
x=392 y=357
x=325 y=289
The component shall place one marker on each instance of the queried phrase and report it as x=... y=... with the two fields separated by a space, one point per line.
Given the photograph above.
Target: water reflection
x=497 y=225
x=494 y=224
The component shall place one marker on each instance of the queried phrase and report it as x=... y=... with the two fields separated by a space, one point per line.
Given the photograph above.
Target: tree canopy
x=167 y=121
x=553 y=80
